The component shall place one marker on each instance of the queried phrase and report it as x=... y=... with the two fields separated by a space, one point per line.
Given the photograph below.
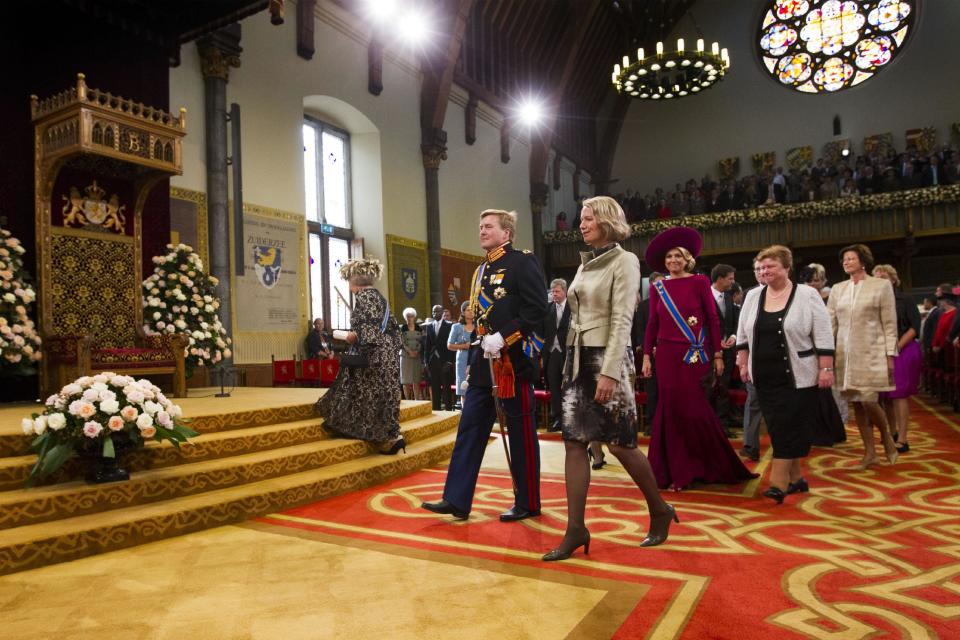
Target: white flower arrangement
x=19 y=340
x=87 y=412
x=180 y=298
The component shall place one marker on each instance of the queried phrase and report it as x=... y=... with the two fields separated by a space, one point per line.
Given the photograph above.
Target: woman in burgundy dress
x=688 y=443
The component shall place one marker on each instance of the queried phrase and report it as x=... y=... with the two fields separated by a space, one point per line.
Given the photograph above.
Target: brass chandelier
x=671 y=74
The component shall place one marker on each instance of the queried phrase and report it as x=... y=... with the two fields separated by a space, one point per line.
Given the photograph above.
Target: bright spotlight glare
x=414 y=27
x=381 y=10
x=531 y=113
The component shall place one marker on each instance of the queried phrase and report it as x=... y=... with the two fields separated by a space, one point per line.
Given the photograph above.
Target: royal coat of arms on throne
x=92 y=210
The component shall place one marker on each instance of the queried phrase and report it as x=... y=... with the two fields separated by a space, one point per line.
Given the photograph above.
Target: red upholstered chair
x=309 y=373
x=284 y=371
x=641 y=398
x=329 y=368
x=542 y=399
x=71 y=356
x=947 y=377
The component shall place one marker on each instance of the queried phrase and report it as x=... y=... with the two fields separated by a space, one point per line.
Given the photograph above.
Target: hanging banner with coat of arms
x=408 y=274
x=268 y=293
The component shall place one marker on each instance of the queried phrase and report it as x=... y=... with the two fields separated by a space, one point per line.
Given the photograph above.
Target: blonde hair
x=819 y=273
x=610 y=218
x=362 y=271
x=890 y=271
x=777 y=252
x=507 y=220
x=690 y=262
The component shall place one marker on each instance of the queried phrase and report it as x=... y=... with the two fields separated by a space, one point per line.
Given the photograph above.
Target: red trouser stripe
x=529 y=435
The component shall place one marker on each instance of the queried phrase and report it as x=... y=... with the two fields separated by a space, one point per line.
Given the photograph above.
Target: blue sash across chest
x=696 y=353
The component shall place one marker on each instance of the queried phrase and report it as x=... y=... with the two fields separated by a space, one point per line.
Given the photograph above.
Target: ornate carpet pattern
x=872 y=554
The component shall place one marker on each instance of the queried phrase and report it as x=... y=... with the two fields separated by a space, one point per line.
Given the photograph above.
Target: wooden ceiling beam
x=438 y=75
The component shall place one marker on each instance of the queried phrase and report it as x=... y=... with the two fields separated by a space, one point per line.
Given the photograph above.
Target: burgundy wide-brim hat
x=689 y=239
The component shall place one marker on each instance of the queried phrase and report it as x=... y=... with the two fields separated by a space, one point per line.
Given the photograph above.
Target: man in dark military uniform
x=510 y=301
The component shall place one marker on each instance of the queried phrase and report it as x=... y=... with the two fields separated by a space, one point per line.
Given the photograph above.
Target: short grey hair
x=409 y=311
x=558 y=281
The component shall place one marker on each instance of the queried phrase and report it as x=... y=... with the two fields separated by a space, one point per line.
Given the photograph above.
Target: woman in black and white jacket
x=785 y=347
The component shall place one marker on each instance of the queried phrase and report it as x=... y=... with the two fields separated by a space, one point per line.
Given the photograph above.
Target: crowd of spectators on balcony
x=845 y=178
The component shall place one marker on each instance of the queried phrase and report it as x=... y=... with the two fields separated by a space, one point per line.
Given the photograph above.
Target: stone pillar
x=539 y=192
x=218 y=52
x=434 y=150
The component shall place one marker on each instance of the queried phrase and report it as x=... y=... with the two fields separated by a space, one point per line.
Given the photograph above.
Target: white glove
x=492 y=345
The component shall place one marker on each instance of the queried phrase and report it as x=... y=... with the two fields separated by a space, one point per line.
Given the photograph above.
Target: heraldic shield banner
x=408 y=270
x=268 y=293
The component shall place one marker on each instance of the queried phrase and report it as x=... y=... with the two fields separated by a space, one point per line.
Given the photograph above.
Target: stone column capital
x=434 y=148
x=539 y=194
x=219 y=51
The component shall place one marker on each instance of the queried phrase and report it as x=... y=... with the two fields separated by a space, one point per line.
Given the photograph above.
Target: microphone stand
x=223 y=374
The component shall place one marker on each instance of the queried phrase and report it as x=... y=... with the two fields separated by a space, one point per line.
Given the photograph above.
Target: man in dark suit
x=933 y=174
x=640 y=319
x=439 y=359
x=723 y=277
x=507 y=296
x=555 y=326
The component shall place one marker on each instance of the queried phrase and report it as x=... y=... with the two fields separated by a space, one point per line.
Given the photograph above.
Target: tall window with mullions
x=326 y=164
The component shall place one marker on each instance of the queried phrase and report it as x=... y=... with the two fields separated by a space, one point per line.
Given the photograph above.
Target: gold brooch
x=499 y=292
x=692 y=321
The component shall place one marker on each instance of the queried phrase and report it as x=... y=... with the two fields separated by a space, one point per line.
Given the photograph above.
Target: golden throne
x=96 y=158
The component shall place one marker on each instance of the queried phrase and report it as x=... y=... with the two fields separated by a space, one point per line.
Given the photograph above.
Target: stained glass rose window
x=822 y=46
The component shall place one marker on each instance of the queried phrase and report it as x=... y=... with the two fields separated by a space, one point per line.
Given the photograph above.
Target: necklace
x=770 y=295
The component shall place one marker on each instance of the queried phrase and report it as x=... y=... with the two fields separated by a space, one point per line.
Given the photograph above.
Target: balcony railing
x=918 y=212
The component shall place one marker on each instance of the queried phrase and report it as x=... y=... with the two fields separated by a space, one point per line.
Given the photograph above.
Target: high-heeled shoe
x=393 y=449
x=902 y=447
x=560 y=554
x=800 y=486
x=866 y=463
x=890 y=449
x=660 y=527
x=774 y=493
x=597 y=464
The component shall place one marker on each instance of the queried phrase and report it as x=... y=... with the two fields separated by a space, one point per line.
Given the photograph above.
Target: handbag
x=356 y=355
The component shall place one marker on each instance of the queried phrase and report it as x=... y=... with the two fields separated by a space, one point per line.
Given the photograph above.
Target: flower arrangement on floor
x=86 y=414
x=19 y=340
x=181 y=298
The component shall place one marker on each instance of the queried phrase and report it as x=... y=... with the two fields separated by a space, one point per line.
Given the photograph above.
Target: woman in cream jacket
x=598 y=399
x=864 y=316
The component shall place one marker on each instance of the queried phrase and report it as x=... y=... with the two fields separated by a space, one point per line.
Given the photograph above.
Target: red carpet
x=864 y=554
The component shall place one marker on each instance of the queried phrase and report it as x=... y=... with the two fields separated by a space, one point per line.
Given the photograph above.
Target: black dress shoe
x=555 y=426
x=517 y=513
x=800 y=486
x=750 y=454
x=446 y=508
x=775 y=494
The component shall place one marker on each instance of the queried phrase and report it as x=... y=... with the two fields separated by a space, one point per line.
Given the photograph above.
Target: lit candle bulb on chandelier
x=725 y=56
x=659 y=48
x=715 y=49
x=699 y=45
x=626 y=61
x=640 y=55
x=680 y=45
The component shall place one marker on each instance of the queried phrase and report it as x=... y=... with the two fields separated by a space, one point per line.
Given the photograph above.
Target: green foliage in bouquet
x=86 y=414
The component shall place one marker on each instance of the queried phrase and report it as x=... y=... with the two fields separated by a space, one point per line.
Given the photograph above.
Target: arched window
x=326 y=163
x=823 y=46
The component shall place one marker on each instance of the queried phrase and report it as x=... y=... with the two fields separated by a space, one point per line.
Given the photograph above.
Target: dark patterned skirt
x=584 y=419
